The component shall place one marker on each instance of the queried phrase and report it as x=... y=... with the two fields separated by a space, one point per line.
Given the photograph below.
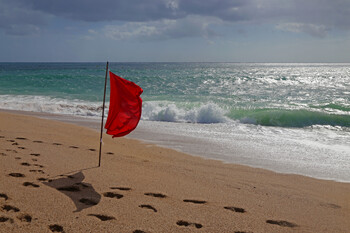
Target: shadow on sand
x=82 y=194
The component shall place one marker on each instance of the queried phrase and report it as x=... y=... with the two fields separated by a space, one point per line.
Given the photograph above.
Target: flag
x=125 y=106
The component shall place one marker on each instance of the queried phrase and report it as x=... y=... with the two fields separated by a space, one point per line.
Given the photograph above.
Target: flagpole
x=103 y=115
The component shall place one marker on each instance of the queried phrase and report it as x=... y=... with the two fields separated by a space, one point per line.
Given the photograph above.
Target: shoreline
x=145 y=188
x=174 y=142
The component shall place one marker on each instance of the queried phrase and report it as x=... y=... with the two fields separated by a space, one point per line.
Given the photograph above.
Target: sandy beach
x=50 y=182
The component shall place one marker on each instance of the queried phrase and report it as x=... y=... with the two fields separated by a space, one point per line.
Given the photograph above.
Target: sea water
x=290 y=118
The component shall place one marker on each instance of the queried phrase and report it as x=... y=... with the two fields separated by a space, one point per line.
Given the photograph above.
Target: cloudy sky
x=175 y=30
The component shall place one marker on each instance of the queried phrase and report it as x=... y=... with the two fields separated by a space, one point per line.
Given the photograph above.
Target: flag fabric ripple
x=125 y=106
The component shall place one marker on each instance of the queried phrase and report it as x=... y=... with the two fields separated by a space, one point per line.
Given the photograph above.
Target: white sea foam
x=320 y=152
x=169 y=112
x=50 y=105
x=152 y=111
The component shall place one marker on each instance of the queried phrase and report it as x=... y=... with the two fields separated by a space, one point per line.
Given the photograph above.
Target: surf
x=288 y=118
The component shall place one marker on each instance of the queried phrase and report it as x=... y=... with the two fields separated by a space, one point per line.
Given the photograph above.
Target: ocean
x=289 y=118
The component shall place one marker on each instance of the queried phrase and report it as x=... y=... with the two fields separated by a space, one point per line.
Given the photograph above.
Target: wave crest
x=205 y=114
x=50 y=105
x=289 y=118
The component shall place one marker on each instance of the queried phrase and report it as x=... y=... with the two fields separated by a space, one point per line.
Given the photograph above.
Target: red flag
x=125 y=106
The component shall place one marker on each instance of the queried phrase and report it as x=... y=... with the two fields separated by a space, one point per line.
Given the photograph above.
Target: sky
x=175 y=30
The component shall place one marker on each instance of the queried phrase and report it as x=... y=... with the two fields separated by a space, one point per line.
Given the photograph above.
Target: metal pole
x=103 y=115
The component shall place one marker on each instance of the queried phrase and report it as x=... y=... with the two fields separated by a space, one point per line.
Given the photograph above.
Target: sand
x=50 y=182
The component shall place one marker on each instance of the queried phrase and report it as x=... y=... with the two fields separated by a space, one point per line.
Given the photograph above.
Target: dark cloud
x=138 y=10
x=225 y=10
x=16 y=19
x=311 y=11
x=104 y=10
x=315 y=17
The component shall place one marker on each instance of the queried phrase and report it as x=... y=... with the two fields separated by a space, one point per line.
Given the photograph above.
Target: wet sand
x=50 y=182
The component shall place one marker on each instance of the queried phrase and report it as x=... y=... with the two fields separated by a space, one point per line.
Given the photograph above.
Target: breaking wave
x=208 y=113
x=205 y=114
x=51 y=105
x=289 y=118
x=152 y=111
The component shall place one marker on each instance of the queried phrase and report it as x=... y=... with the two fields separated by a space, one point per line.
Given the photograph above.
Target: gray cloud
x=138 y=10
x=311 y=29
x=315 y=17
x=104 y=10
x=191 y=26
x=16 y=19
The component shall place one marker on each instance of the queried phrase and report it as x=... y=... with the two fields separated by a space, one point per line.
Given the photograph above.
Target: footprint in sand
x=159 y=195
x=9 y=208
x=121 y=188
x=25 y=218
x=14 y=151
x=57 y=144
x=148 y=207
x=56 y=228
x=18 y=158
x=92 y=149
x=15 y=144
x=41 y=179
x=113 y=195
x=2 y=136
x=87 y=201
x=109 y=153
x=187 y=224
x=38 y=141
x=69 y=188
x=74 y=147
x=31 y=184
x=37 y=171
x=20 y=138
x=22 y=148
x=3 y=154
x=6 y=219
x=235 y=209
x=102 y=217
x=35 y=154
x=25 y=164
x=195 y=201
x=3 y=195
x=281 y=223
x=10 y=140
x=16 y=175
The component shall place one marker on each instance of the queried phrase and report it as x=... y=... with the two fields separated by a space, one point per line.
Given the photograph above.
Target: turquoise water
x=285 y=95
x=290 y=118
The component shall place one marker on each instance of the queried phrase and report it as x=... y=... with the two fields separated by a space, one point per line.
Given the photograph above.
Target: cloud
x=107 y=10
x=152 y=17
x=191 y=26
x=139 y=10
x=18 y=20
x=326 y=12
x=311 y=29
x=132 y=30
x=22 y=29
